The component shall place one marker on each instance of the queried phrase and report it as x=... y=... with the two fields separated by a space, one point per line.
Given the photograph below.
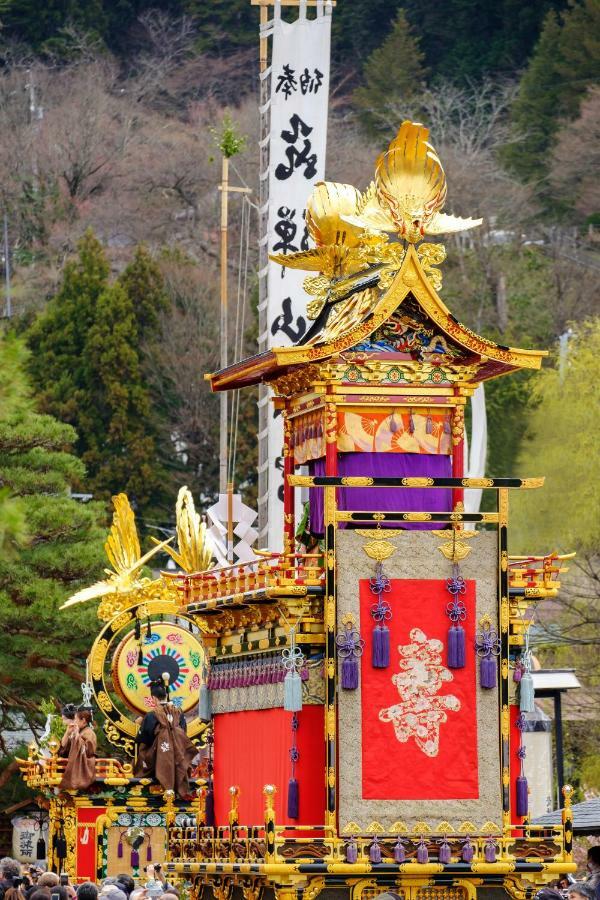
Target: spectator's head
x=593 y=858
x=139 y=894
x=547 y=893
x=112 y=892
x=126 y=883
x=59 y=892
x=581 y=891
x=9 y=868
x=40 y=893
x=87 y=891
x=49 y=880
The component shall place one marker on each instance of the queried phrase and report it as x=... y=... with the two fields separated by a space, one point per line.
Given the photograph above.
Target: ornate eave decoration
x=411 y=280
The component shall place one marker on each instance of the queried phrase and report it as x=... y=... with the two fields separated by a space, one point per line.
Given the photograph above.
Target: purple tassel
x=135 y=859
x=522 y=796
x=210 y=806
x=444 y=853
x=381 y=647
x=422 y=852
x=517 y=673
x=350 y=673
x=490 y=850
x=149 y=852
x=411 y=424
x=293 y=803
x=120 y=849
x=351 y=850
x=428 y=426
x=468 y=851
x=456 y=647
x=375 y=851
x=399 y=852
x=487 y=671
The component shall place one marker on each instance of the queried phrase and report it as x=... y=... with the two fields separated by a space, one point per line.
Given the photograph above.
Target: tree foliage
x=42 y=649
x=393 y=73
x=89 y=369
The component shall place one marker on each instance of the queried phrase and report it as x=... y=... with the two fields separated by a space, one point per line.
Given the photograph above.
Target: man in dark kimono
x=79 y=747
x=164 y=750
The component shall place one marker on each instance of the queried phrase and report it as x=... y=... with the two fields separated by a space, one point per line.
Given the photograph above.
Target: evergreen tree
x=566 y=61
x=42 y=650
x=88 y=366
x=393 y=73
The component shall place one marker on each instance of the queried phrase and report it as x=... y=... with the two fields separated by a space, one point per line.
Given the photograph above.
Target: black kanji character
x=286 y=83
x=295 y=157
x=310 y=84
x=284 y=321
x=286 y=229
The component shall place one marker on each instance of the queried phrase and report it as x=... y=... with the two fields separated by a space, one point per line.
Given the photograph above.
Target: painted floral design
x=422 y=711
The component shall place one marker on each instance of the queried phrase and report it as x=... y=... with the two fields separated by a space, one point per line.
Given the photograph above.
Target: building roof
x=586 y=817
x=411 y=280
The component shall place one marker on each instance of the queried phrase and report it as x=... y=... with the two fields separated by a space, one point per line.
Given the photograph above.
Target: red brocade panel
x=252 y=749
x=86 y=841
x=445 y=766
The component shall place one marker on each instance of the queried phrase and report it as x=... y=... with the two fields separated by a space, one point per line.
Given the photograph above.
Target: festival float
x=357 y=698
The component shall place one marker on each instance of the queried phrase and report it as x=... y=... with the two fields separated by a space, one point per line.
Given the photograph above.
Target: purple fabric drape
x=385 y=465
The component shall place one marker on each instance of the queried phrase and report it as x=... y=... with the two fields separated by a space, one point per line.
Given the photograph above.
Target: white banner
x=298 y=139
x=26 y=834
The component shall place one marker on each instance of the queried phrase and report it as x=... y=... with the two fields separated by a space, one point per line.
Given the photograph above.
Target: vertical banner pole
x=224 y=335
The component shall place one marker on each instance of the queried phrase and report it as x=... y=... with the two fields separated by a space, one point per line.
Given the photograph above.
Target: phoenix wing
x=123 y=545
x=195 y=553
x=445 y=224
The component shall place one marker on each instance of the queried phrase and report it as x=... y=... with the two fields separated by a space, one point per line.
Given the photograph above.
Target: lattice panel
x=441 y=893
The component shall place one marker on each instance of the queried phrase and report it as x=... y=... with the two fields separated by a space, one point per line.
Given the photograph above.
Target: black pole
x=558 y=731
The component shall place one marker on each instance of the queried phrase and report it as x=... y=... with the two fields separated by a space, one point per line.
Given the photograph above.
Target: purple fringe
x=351 y=851
x=135 y=859
x=445 y=853
x=422 y=852
x=468 y=851
x=487 y=671
x=120 y=849
x=399 y=852
x=456 y=647
x=522 y=796
x=381 y=647
x=149 y=852
x=375 y=851
x=490 y=851
x=350 y=673
x=293 y=801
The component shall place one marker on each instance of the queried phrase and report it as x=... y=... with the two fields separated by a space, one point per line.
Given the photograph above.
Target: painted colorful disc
x=167 y=648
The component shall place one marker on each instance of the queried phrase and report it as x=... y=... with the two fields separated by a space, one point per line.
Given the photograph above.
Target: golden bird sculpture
x=124 y=554
x=411 y=190
x=195 y=553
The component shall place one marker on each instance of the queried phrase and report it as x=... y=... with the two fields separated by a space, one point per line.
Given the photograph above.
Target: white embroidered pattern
x=421 y=712
x=165 y=747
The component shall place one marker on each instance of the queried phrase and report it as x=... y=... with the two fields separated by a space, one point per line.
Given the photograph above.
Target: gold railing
x=537 y=576
x=272 y=844
x=47 y=771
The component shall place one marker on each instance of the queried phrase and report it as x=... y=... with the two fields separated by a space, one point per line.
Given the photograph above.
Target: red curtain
x=395 y=770
x=252 y=749
x=87 y=851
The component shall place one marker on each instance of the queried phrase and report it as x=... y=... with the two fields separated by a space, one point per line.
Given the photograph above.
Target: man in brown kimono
x=164 y=750
x=79 y=747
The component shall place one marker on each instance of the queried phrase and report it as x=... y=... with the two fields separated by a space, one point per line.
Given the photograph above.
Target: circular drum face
x=166 y=648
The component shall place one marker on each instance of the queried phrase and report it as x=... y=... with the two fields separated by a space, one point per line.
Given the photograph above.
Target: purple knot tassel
x=445 y=853
x=490 y=851
x=350 y=673
x=120 y=849
x=399 y=852
x=351 y=851
x=487 y=671
x=422 y=852
x=293 y=802
x=135 y=859
x=468 y=851
x=456 y=647
x=149 y=852
x=381 y=647
x=522 y=796
x=375 y=851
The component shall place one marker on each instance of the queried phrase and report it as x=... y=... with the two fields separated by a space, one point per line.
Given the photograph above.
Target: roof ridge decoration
x=369 y=256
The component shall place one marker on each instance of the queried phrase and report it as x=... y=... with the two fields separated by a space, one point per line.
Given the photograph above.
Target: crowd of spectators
x=24 y=882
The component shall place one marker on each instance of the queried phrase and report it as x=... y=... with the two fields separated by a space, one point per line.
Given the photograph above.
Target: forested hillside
x=110 y=115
